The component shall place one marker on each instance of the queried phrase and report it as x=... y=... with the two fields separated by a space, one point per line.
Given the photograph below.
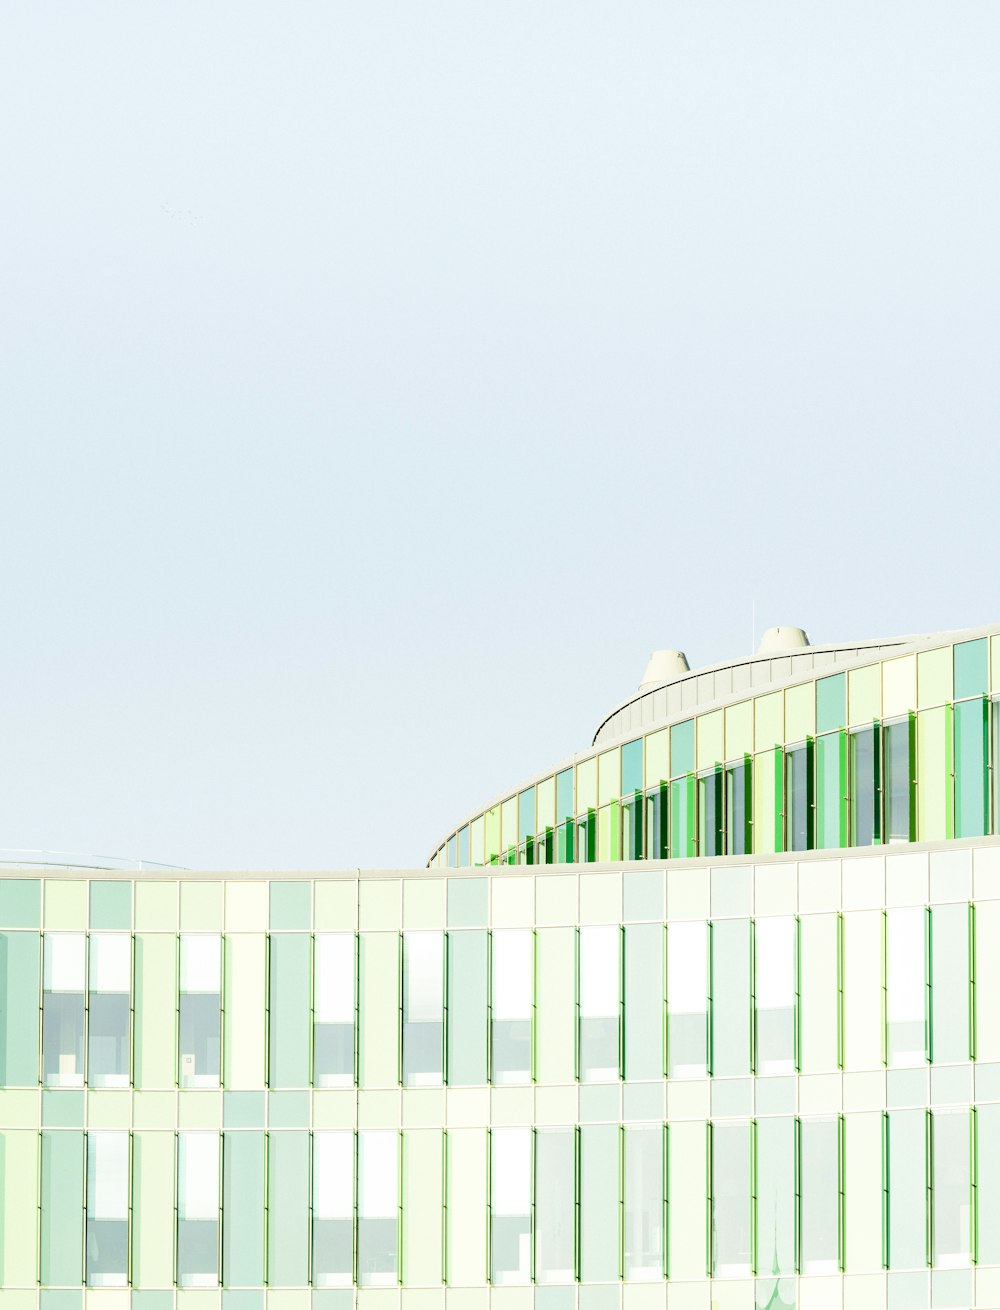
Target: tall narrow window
x=600 y=1202
x=775 y=1196
x=510 y=1205
x=819 y=1188
x=643 y=976
x=971 y=768
x=599 y=991
x=831 y=790
x=899 y=751
x=197 y=1209
x=950 y=984
x=687 y=1000
x=200 y=1009
x=333 y=1037
x=683 y=833
x=107 y=1209
x=906 y=987
x=423 y=1009
x=511 y=1005
x=632 y=848
x=468 y=988
x=799 y=797
x=644 y=1203
x=586 y=838
x=731 y=1200
x=906 y=1152
x=378 y=1208
x=865 y=784
x=739 y=809
x=333 y=1209
x=731 y=1055
x=108 y=1029
x=774 y=958
x=63 y=1009
x=657 y=830
x=951 y=1188
x=555 y=1205
x=710 y=813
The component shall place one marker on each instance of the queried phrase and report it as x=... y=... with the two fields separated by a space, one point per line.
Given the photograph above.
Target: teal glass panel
x=831 y=791
x=20 y=903
x=111 y=905
x=632 y=766
x=682 y=748
x=776 y=1221
x=600 y=1203
x=288 y=1209
x=526 y=814
x=468 y=1013
x=20 y=967
x=463 y=848
x=972 y=668
x=243 y=1209
x=290 y=902
x=831 y=703
x=644 y=1000
x=62 y=1202
x=289 y=1005
x=682 y=818
x=730 y=1019
x=564 y=795
x=971 y=768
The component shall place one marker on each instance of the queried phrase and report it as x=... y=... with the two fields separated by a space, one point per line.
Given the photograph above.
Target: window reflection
x=63 y=1009
x=334 y=1004
x=108 y=1026
x=511 y=998
x=107 y=1209
x=200 y=1017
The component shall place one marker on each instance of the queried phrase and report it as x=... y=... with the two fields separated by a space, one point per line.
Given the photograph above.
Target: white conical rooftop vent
x=782 y=638
x=664 y=666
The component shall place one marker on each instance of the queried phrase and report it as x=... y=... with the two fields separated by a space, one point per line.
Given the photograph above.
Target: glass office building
x=707 y=1017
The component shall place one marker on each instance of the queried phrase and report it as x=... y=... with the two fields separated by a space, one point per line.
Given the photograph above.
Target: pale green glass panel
x=545 y=804
x=508 y=823
x=775 y=1178
x=819 y=967
x=555 y=1015
x=687 y=1200
x=155 y=1020
x=643 y=1253
x=683 y=829
x=769 y=721
x=379 y=1003
x=775 y=988
x=864 y=695
x=951 y=1188
x=245 y=1003
x=467 y=1208
x=739 y=730
x=687 y=999
x=730 y=1023
x=831 y=702
x=800 y=712
x=467 y=1054
x=906 y=987
x=862 y=983
x=201 y=906
x=608 y=830
x=608 y=776
x=906 y=1152
x=987 y=939
x=658 y=757
x=555 y=1205
x=988 y=1183
x=819 y=1192
x=710 y=738
x=288 y=1209
x=935 y=816
x=20 y=964
x=600 y=1202
x=934 y=677
x=477 y=841
x=289 y=1006
x=863 y=1193
x=510 y=1206
x=899 y=686
x=423 y=1206
x=19 y=1211
x=62 y=1201
x=971 y=753
x=156 y=906
x=586 y=786
x=950 y=984
x=732 y=1205
x=152 y=1209
x=645 y=1002
x=831 y=790
x=766 y=807
x=243 y=1209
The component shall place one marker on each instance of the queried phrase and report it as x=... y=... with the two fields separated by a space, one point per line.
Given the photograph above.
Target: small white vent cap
x=664 y=666
x=782 y=638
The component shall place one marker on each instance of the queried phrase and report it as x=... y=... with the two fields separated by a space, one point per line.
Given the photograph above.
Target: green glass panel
x=155 y=1017
x=20 y=903
x=289 y=1000
x=831 y=790
x=378 y=1053
x=831 y=703
x=526 y=814
x=288 y=1209
x=423 y=1197
x=972 y=668
x=61 y=1262
x=683 y=833
x=682 y=748
x=18 y=1209
x=290 y=902
x=111 y=905
x=153 y=1209
x=899 y=753
x=935 y=793
x=710 y=813
x=739 y=808
x=799 y=804
x=20 y=962
x=971 y=767
x=243 y=1209
x=632 y=767
x=468 y=1014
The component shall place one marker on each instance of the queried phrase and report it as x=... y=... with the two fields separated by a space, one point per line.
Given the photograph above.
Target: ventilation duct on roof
x=664 y=666
x=781 y=639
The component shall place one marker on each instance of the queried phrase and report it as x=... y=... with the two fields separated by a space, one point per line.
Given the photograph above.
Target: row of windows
x=595 y=1203
x=835 y=786
x=725 y=997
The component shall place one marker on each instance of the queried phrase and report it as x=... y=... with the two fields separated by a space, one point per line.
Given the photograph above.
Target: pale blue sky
x=380 y=383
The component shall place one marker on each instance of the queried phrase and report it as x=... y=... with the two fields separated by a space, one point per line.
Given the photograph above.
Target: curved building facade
x=715 y=1022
